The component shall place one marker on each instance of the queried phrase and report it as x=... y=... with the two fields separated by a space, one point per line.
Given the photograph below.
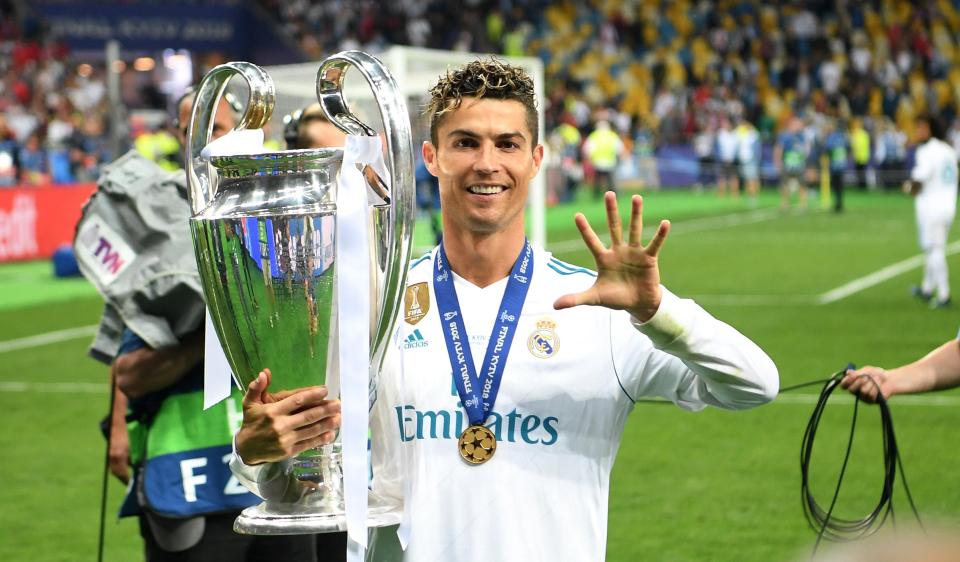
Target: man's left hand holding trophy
x=278 y=426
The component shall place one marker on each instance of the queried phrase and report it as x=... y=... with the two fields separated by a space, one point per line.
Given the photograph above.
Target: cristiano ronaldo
x=499 y=414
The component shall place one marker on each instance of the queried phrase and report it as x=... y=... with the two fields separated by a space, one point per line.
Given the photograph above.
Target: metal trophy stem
x=264 y=227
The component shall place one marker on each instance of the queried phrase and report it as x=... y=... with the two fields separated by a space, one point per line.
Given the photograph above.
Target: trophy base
x=269 y=518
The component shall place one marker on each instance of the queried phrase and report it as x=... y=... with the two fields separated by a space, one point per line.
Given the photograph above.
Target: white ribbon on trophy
x=353 y=325
x=216 y=368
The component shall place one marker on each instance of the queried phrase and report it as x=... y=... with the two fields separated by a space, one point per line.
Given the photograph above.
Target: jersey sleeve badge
x=416 y=303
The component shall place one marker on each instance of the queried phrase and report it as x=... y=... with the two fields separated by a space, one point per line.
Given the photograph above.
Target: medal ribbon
x=479 y=392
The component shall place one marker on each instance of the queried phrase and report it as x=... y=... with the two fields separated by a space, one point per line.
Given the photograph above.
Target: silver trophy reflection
x=263 y=228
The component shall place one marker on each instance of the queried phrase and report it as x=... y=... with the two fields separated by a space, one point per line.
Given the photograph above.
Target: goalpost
x=415 y=70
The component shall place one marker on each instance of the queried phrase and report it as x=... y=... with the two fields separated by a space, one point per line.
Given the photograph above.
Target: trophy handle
x=259 y=108
x=392 y=252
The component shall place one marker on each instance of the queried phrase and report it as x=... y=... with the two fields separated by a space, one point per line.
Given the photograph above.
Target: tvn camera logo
x=415 y=340
x=103 y=250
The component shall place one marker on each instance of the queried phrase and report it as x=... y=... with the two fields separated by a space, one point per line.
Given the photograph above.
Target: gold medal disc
x=477 y=444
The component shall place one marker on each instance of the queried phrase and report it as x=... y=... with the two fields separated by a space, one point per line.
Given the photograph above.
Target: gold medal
x=477 y=444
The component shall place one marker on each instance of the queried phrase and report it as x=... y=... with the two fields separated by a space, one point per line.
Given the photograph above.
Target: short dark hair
x=937 y=130
x=189 y=93
x=295 y=130
x=483 y=78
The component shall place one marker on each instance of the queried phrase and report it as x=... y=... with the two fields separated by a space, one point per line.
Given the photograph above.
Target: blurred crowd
x=679 y=66
x=866 y=152
x=676 y=65
x=321 y=27
x=728 y=77
x=655 y=73
x=53 y=112
x=724 y=77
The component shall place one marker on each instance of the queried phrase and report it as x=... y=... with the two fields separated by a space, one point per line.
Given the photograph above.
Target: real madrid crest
x=544 y=341
x=416 y=302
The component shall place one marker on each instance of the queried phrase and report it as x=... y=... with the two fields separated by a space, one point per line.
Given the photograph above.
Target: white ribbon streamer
x=216 y=369
x=353 y=323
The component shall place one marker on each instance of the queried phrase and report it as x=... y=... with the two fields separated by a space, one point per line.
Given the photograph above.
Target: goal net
x=415 y=70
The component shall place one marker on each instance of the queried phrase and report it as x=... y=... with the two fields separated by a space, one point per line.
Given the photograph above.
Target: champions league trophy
x=265 y=232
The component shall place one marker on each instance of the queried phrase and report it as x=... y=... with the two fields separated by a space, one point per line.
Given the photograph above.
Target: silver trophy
x=264 y=228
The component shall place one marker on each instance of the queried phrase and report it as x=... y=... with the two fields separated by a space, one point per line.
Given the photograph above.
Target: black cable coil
x=824 y=522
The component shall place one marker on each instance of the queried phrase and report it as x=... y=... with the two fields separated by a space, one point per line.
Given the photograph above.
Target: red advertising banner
x=34 y=221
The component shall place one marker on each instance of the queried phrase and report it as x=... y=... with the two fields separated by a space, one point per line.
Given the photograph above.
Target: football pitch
x=816 y=290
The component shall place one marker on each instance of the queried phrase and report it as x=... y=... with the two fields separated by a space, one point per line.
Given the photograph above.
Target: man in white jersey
x=748 y=156
x=727 y=143
x=933 y=183
x=499 y=414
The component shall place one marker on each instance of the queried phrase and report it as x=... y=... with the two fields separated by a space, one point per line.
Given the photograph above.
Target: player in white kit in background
x=933 y=183
x=500 y=411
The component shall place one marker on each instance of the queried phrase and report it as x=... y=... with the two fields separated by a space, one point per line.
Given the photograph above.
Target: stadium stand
x=662 y=73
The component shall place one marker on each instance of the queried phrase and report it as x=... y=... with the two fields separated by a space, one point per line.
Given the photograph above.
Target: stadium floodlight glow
x=175 y=60
x=84 y=70
x=144 y=64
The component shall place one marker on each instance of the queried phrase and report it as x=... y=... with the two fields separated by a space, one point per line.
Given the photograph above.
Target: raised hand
x=279 y=426
x=628 y=277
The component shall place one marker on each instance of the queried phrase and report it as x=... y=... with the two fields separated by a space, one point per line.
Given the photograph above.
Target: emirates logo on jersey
x=544 y=341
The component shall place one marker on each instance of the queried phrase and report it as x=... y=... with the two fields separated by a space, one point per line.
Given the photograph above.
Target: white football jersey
x=936 y=168
x=727 y=143
x=569 y=383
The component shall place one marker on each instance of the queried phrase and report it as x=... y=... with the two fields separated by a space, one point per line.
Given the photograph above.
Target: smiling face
x=484 y=159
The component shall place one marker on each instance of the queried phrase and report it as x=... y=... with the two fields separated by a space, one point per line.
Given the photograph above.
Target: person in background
x=790 y=157
x=812 y=137
x=860 y=147
x=748 y=156
x=644 y=150
x=703 y=144
x=9 y=152
x=603 y=148
x=310 y=128
x=159 y=145
x=90 y=149
x=32 y=159
x=570 y=167
x=889 y=153
x=836 y=147
x=727 y=160
x=933 y=184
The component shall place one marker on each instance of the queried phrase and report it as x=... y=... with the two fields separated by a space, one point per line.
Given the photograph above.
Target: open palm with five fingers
x=628 y=277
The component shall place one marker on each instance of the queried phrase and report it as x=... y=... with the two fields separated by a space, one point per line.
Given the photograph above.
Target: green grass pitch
x=713 y=485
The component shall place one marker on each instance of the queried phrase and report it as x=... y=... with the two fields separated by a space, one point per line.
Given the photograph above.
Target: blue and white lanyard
x=479 y=392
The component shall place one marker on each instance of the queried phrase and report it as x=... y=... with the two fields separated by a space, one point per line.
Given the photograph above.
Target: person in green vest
x=836 y=146
x=569 y=139
x=860 y=147
x=603 y=148
x=180 y=486
x=790 y=157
